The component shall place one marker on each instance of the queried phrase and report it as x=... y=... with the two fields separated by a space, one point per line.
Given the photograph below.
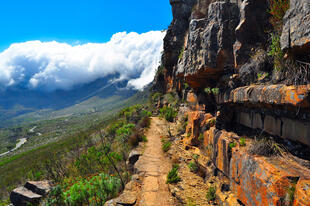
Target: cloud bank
x=49 y=66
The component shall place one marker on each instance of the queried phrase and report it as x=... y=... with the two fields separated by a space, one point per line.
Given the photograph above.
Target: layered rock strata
x=218 y=60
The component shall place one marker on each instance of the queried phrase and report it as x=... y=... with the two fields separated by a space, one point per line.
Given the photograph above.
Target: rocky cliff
x=245 y=65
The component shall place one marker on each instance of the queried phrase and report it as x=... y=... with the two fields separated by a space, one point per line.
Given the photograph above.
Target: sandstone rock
x=250 y=31
x=127 y=198
x=221 y=151
x=110 y=203
x=302 y=194
x=196 y=121
x=21 y=196
x=263 y=181
x=268 y=95
x=133 y=156
x=209 y=45
x=39 y=187
x=296 y=30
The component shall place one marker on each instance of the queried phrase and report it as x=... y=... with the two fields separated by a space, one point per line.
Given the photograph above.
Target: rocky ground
x=148 y=186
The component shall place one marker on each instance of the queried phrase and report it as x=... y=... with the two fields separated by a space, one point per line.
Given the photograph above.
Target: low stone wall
x=279 y=110
x=292 y=129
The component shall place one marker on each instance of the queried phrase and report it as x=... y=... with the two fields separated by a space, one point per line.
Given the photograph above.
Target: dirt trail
x=153 y=166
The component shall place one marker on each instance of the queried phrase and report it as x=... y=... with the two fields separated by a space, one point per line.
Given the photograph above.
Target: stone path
x=153 y=166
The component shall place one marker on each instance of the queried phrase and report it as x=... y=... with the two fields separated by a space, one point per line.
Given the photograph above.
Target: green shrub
x=277 y=9
x=173 y=176
x=55 y=197
x=181 y=53
x=232 y=145
x=189 y=134
x=168 y=113
x=5 y=202
x=262 y=75
x=90 y=190
x=242 y=141
x=172 y=99
x=276 y=52
x=208 y=90
x=166 y=145
x=195 y=157
x=144 y=138
x=193 y=167
x=186 y=85
x=156 y=97
x=211 y=194
x=215 y=91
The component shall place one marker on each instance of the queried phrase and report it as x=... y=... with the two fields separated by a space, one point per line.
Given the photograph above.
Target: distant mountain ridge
x=15 y=101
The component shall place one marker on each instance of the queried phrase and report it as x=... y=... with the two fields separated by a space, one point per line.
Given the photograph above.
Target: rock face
x=261 y=181
x=296 y=30
x=209 y=47
x=251 y=29
x=271 y=95
x=174 y=39
x=217 y=58
x=30 y=193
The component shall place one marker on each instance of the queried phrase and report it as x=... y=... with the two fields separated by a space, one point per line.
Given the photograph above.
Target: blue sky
x=78 y=20
x=57 y=44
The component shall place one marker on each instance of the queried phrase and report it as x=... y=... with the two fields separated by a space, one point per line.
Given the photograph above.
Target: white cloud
x=51 y=65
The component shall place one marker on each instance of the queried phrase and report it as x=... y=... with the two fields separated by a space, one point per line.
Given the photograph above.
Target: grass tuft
x=173 y=176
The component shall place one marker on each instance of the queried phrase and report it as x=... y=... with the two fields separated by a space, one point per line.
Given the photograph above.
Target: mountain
x=20 y=103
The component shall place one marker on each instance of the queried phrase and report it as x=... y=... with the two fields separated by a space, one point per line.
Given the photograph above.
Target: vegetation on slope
x=83 y=153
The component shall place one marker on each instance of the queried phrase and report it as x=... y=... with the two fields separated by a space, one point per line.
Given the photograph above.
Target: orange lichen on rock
x=268 y=95
x=302 y=193
x=262 y=181
x=196 y=120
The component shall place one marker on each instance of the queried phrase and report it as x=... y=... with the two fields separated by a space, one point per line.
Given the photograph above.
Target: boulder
x=127 y=198
x=21 y=196
x=296 y=31
x=134 y=157
x=209 y=45
x=39 y=187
